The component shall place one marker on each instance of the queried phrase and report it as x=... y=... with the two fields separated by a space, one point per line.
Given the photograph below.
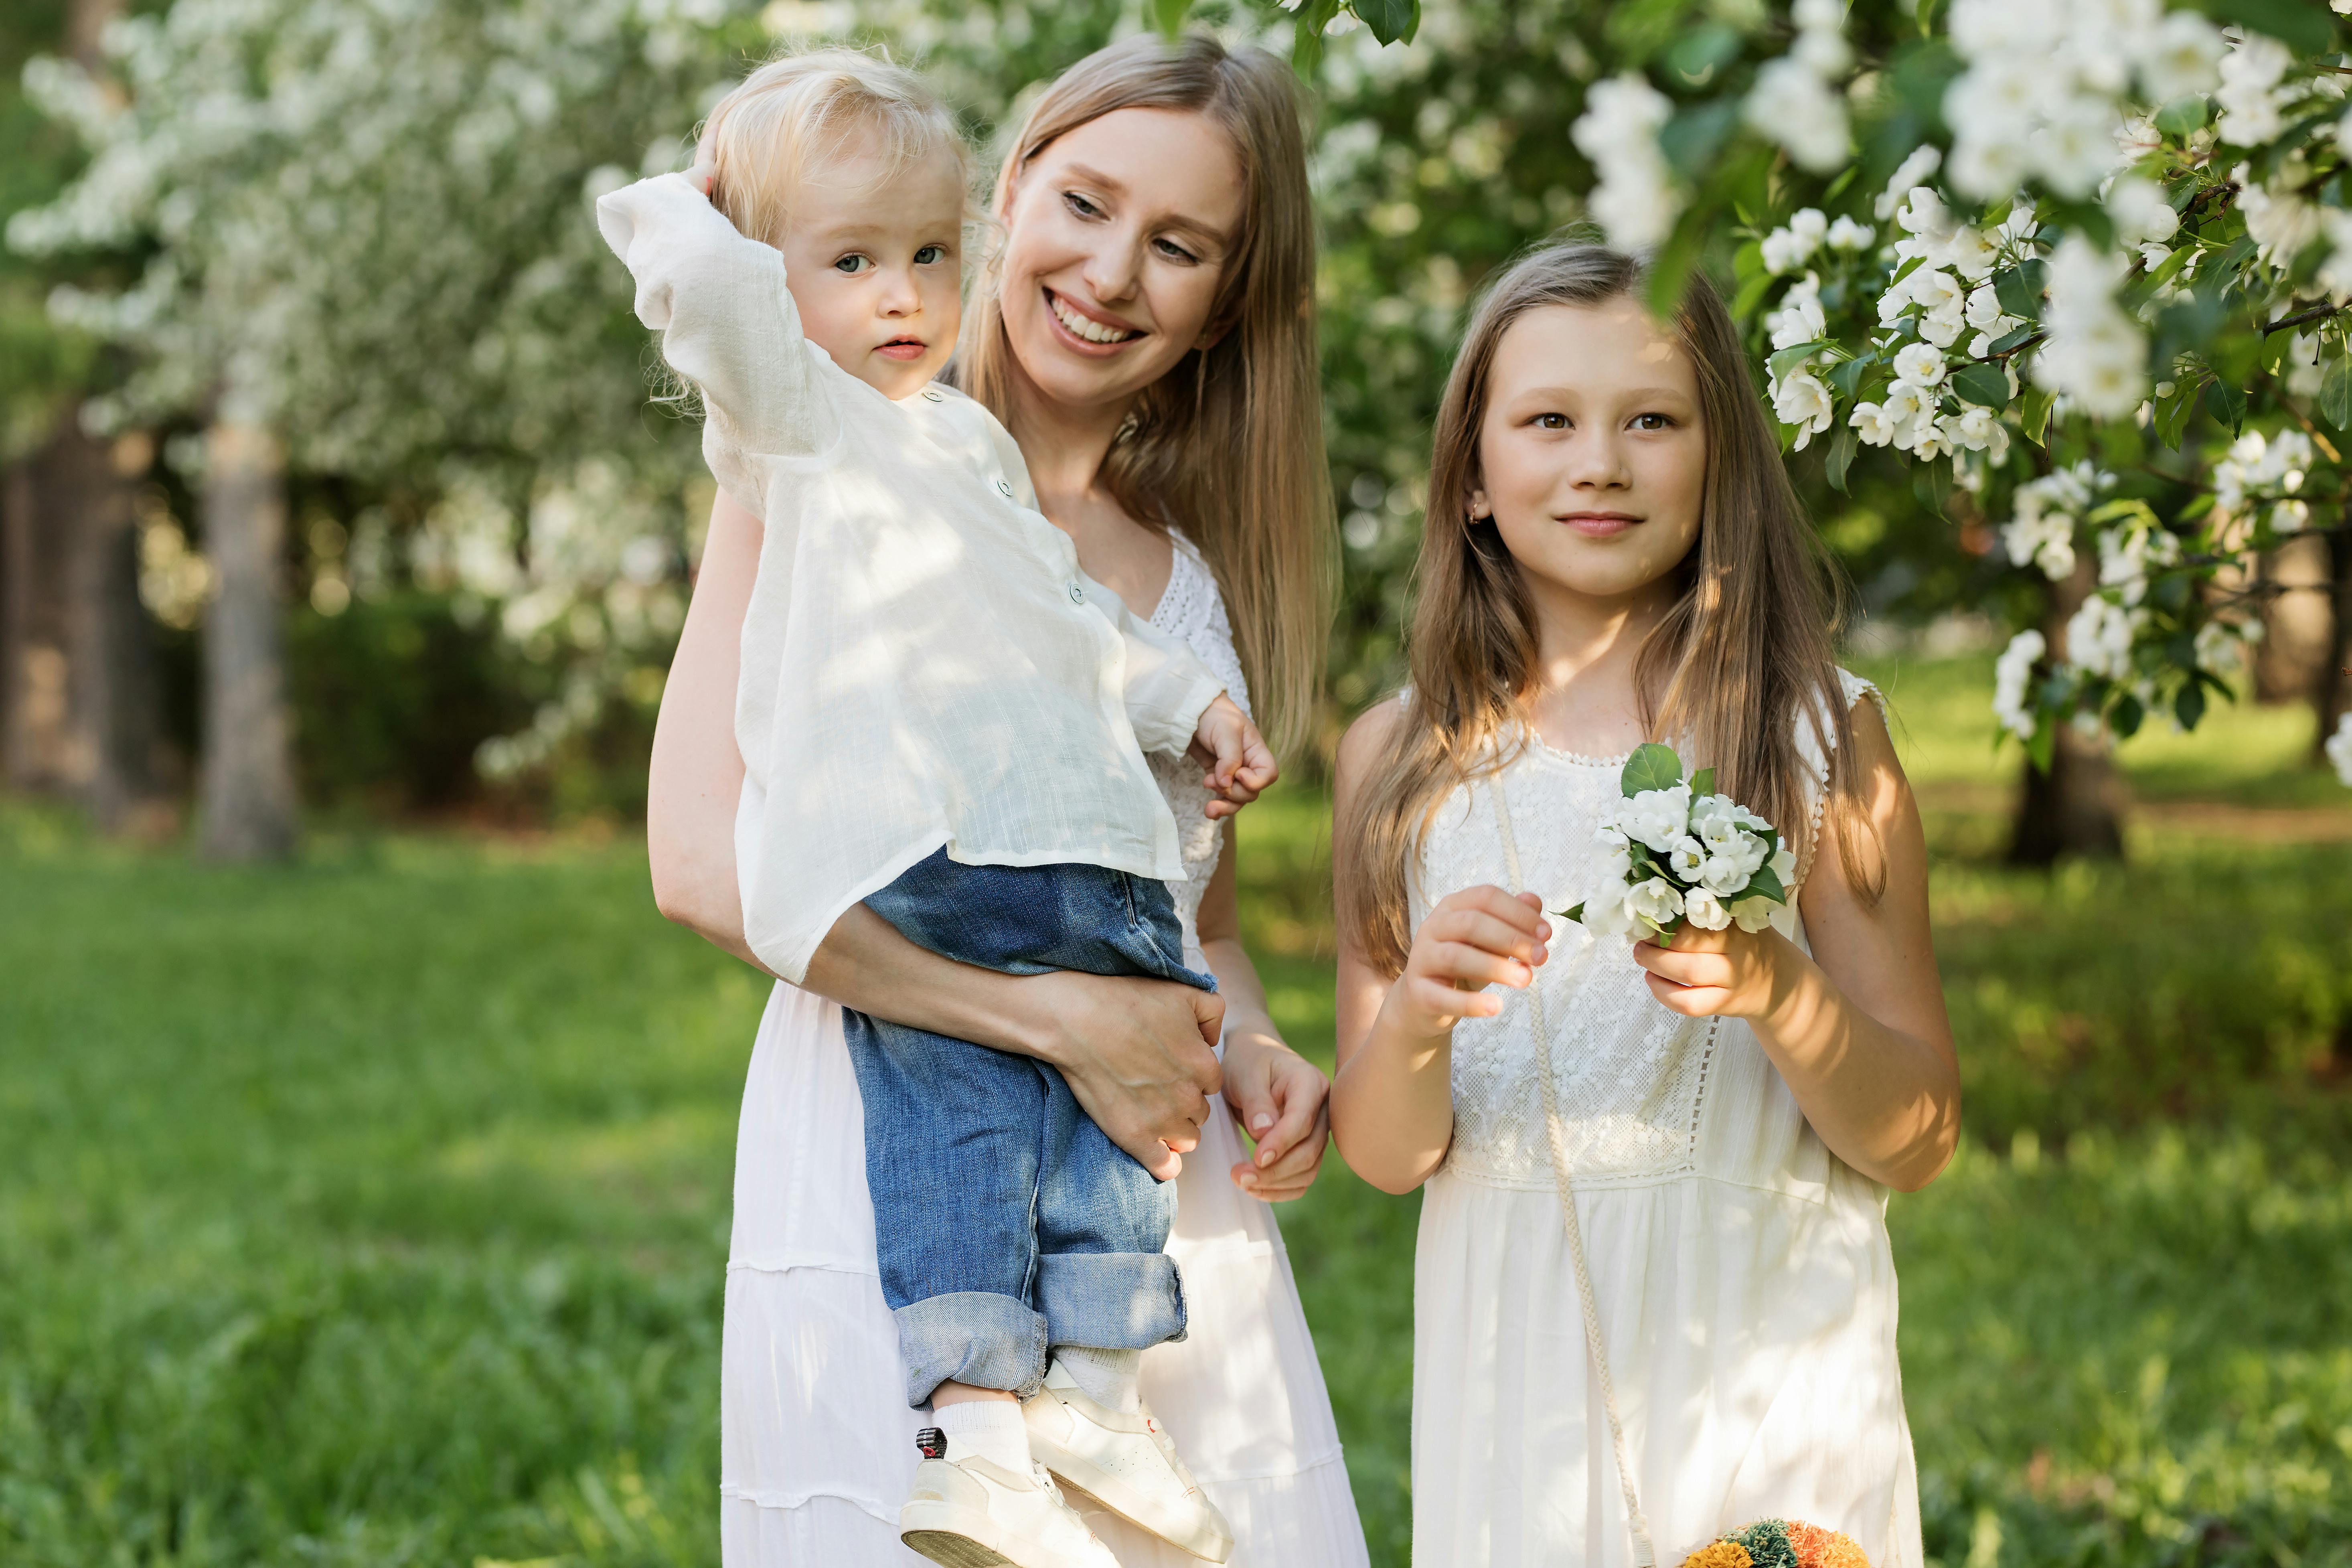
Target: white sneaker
x=1126 y=1463
x=968 y=1512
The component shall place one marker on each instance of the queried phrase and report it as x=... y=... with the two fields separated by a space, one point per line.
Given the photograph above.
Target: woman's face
x=1117 y=237
x=1593 y=451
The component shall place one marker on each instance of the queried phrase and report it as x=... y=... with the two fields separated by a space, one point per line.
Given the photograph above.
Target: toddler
x=941 y=716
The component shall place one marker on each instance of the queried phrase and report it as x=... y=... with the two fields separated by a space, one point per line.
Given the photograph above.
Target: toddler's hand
x=1472 y=939
x=1241 y=765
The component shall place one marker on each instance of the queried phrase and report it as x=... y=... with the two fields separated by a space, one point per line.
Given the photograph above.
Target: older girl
x=1156 y=272
x=1613 y=555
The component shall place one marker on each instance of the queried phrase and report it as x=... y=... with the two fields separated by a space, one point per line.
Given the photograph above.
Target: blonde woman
x=1154 y=279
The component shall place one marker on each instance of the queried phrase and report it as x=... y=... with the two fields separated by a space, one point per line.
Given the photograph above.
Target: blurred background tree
x=365 y=367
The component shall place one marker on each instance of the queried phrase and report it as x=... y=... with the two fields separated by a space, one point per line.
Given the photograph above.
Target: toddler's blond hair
x=799 y=111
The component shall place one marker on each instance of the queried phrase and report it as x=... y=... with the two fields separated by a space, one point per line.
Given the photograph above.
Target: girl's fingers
x=1446 y=1004
x=1521 y=914
x=1300 y=1108
x=1475 y=928
x=1460 y=960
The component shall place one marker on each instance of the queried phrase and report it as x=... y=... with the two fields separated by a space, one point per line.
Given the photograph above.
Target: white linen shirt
x=923 y=662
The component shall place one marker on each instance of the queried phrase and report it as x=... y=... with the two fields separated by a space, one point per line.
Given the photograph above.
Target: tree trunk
x=34 y=663
x=2291 y=662
x=2331 y=695
x=2076 y=808
x=248 y=806
x=111 y=682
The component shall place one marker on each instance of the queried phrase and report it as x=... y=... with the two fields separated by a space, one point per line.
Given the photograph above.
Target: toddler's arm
x=727 y=321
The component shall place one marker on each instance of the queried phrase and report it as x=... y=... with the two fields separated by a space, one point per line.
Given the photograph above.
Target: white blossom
x=1705 y=911
x=1657 y=817
x=2340 y=749
x=1635 y=200
x=2248 y=96
x=1919 y=365
x=2013 y=676
x=1846 y=234
x=1656 y=900
x=1794 y=105
x=1802 y=401
x=2099 y=637
x=2096 y=353
x=1870 y=422
x=2139 y=211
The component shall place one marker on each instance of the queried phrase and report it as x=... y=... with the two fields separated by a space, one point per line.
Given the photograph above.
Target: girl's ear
x=1481 y=508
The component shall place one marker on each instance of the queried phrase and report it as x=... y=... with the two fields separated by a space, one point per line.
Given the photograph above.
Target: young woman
x=1155 y=280
x=1613 y=555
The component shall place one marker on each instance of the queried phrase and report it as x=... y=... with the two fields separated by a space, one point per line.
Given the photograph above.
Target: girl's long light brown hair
x=1228 y=446
x=1742 y=657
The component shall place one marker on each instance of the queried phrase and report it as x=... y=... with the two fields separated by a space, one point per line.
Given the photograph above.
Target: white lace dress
x=1746 y=1287
x=817 y=1443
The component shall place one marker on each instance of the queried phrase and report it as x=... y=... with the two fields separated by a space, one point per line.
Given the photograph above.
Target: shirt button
x=1004 y=489
x=931 y=395
x=1078 y=594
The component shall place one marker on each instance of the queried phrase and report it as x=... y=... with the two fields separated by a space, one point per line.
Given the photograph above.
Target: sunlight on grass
x=374 y=1210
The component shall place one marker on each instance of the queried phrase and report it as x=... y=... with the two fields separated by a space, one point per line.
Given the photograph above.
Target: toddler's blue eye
x=852 y=264
x=929 y=254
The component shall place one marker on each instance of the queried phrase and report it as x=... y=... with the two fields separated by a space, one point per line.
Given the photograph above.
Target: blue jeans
x=1005 y=1221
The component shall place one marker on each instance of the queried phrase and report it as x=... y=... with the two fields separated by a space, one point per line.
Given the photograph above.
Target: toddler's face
x=1593 y=451
x=875 y=260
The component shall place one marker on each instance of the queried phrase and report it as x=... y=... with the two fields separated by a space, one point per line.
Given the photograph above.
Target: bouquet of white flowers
x=1676 y=854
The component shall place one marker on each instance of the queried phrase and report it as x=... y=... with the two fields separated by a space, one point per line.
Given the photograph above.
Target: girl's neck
x=1585 y=698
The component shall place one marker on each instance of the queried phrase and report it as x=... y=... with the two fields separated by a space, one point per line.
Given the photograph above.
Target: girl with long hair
x=1145 y=332
x=1613 y=555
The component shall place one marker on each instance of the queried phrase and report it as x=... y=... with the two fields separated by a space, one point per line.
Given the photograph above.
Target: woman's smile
x=1085 y=327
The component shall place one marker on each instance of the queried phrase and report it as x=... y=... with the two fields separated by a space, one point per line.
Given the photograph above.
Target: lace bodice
x=1633 y=1076
x=1193 y=610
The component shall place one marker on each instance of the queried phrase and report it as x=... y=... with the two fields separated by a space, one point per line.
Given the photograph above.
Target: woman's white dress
x=1745 y=1288
x=817 y=1443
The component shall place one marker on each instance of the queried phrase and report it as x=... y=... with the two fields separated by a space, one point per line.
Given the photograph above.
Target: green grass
x=374 y=1211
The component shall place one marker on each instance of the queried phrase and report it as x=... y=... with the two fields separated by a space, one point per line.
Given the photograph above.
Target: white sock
x=993 y=1428
x=1107 y=1377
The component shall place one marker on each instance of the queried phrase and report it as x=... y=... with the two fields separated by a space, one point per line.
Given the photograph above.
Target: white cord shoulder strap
x=1644 y=1555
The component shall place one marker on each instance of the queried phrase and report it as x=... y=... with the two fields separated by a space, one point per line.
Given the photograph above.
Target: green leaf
x=1932 y=483
x=1752 y=294
x=1651 y=766
x=1670 y=269
x=2034 y=414
x=1764 y=884
x=1390 y=20
x=2018 y=288
x=1846 y=375
x=2125 y=721
x=1839 y=456
x=1576 y=914
x=1795 y=355
x=2183 y=115
x=2015 y=339
x=1702 y=783
x=2301 y=25
x=1169 y=16
x=1696 y=56
x=2172 y=412
x=2336 y=393
x=2226 y=404
x=2189 y=706
x=1985 y=386
x=2039 y=750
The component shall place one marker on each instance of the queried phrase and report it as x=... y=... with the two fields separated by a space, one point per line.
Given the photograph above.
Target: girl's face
x=874 y=257
x=1592 y=452
x=1117 y=237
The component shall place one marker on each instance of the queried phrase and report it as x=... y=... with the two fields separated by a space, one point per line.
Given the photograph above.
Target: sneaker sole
x=1084 y=1475
x=952 y=1549
x=961 y=1538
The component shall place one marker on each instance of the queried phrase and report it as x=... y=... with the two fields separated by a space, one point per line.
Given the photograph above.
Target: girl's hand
x=1475 y=938
x=1278 y=1097
x=1727 y=973
x=1241 y=765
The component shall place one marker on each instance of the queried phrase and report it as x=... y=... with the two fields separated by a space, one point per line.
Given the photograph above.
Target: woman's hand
x=1137 y=1055
x=1727 y=973
x=1279 y=1098
x=1478 y=937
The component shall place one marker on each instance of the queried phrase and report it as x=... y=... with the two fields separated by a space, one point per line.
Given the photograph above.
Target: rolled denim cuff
x=971 y=1336
x=1112 y=1301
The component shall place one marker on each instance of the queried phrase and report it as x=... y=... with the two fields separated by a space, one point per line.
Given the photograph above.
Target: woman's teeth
x=1085 y=327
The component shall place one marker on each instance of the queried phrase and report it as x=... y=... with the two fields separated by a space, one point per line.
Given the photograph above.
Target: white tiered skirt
x=817 y=1440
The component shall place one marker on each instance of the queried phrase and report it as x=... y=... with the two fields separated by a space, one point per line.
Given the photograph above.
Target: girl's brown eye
x=1551 y=421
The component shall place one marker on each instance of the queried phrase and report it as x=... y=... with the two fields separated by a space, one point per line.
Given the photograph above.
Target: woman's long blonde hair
x=1742 y=657
x=1228 y=446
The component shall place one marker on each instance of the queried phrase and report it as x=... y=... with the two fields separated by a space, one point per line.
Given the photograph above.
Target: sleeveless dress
x=1744 y=1278
x=817 y=1445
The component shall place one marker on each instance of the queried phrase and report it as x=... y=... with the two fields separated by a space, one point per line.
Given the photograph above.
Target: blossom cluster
x=1635 y=200
x=1672 y=853
x=1779 y=1544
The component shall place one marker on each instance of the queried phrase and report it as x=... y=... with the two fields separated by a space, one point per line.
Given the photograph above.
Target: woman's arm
x=1858 y=1030
x=1136 y=1052
x=1392 y=1101
x=1278 y=1096
x=697 y=776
